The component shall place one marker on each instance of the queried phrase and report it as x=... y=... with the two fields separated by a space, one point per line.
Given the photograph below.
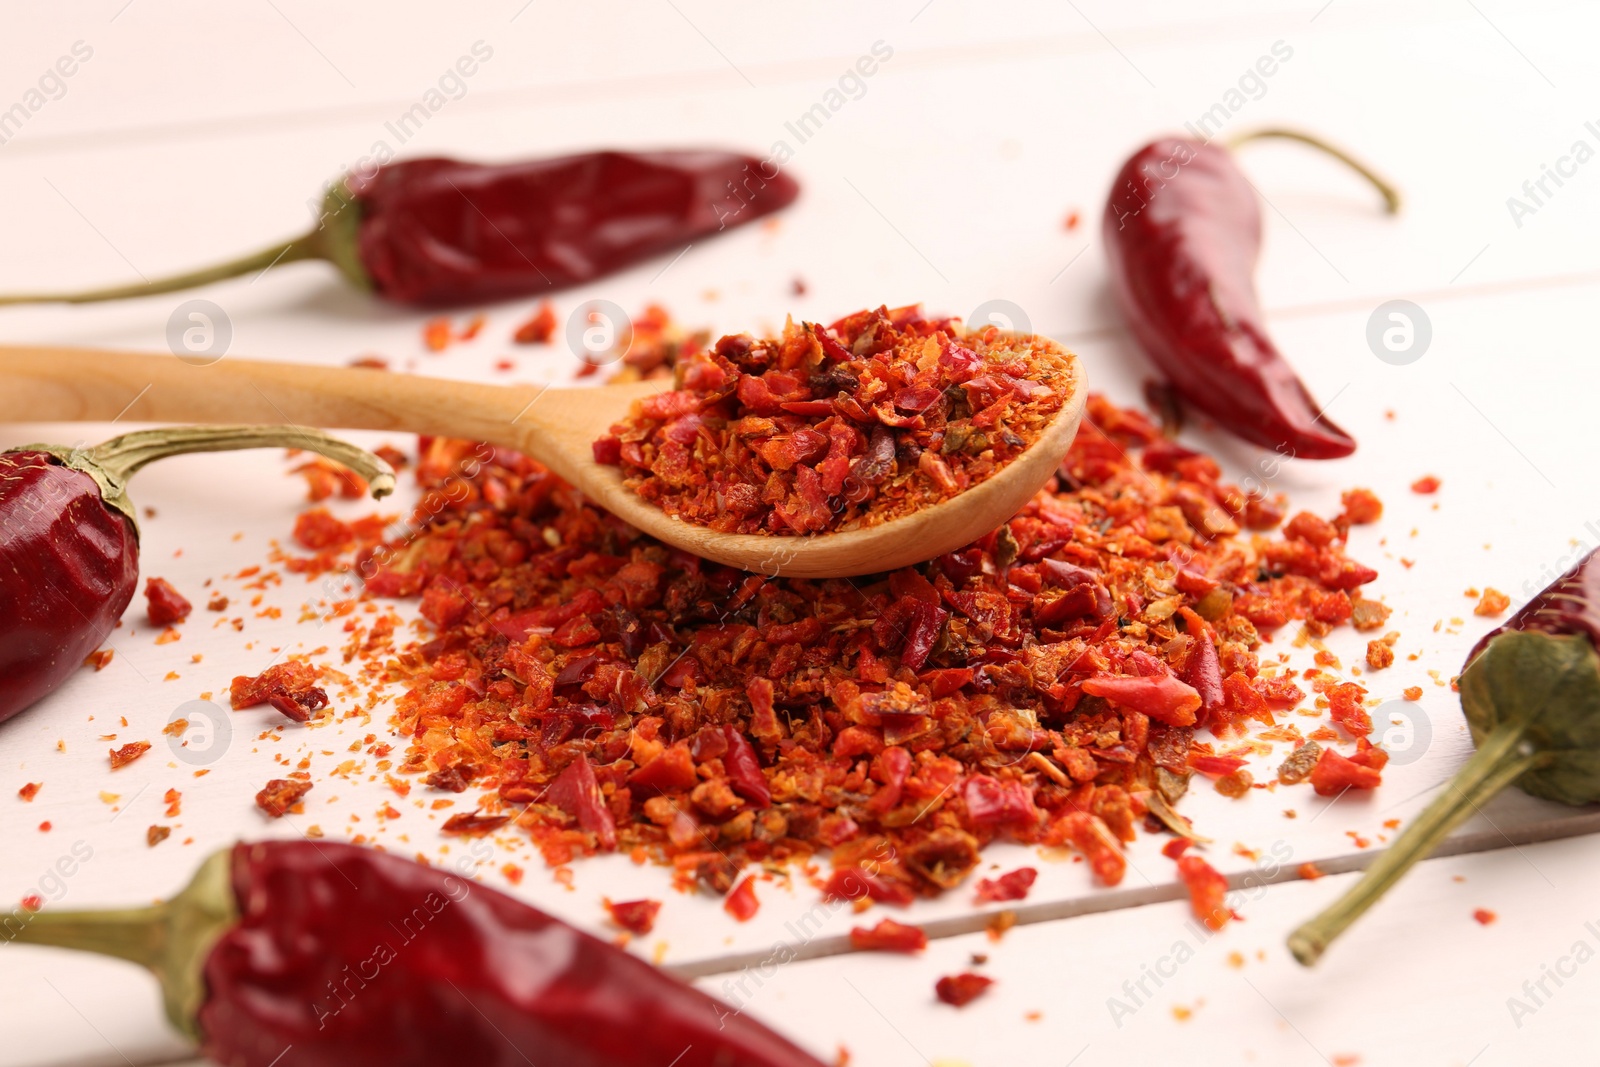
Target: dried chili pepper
x=69 y=559
x=829 y=427
x=959 y=990
x=1530 y=691
x=889 y=936
x=1182 y=231
x=351 y=956
x=441 y=231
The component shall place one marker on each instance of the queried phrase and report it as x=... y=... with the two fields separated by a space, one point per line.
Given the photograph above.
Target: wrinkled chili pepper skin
x=1568 y=605
x=1182 y=232
x=346 y=957
x=69 y=566
x=439 y=231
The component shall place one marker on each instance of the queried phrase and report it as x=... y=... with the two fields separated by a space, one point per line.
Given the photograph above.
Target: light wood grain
x=554 y=426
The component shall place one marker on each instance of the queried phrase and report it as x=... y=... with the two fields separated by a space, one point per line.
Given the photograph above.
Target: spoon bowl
x=556 y=427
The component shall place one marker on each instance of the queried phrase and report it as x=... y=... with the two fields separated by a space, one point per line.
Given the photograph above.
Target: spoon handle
x=40 y=384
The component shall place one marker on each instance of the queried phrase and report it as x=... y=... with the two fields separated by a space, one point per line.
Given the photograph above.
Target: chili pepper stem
x=333 y=239
x=1502 y=758
x=113 y=462
x=1386 y=189
x=170 y=939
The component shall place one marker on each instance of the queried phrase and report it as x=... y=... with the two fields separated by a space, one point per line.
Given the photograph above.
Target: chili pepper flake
x=121 y=757
x=1484 y=916
x=30 y=790
x=472 y=824
x=1208 y=891
x=539 y=329
x=741 y=903
x=280 y=795
x=1425 y=485
x=164 y=604
x=634 y=916
x=99 y=659
x=1013 y=885
x=889 y=936
x=867 y=420
x=157 y=834
x=1493 y=603
x=285 y=686
x=959 y=990
x=173 y=800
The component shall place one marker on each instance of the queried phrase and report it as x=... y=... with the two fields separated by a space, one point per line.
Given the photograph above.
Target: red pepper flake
x=437 y=334
x=157 y=834
x=471 y=824
x=121 y=757
x=1310 y=871
x=959 y=990
x=634 y=916
x=1493 y=603
x=280 y=795
x=45 y=827
x=33 y=902
x=889 y=936
x=1208 y=891
x=99 y=659
x=539 y=329
x=1072 y=220
x=877 y=416
x=1176 y=847
x=30 y=790
x=285 y=686
x=1484 y=916
x=173 y=800
x=1013 y=885
x=1425 y=485
x=741 y=903
x=1361 y=506
x=1334 y=774
x=1412 y=693
x=164 y=604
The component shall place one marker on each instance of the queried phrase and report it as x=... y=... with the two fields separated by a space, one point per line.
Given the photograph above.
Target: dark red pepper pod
x=312 y=954
x=440 y=232
x=1531 y=694
x=1182 y=232
x=69 y=541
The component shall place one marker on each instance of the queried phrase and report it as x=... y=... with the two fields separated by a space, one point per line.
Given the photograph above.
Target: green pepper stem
x=121 y=456
x=308 y=246
x=171 y=939
x=1500 y=760
x=1386 y=189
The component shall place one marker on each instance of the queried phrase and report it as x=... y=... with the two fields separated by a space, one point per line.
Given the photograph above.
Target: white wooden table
x=188 y=132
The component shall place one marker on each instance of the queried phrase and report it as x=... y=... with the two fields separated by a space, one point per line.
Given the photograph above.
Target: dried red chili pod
x=1182 y=231
x=69 y=559
x=442 y=231
x=351 y=956
x=1530 y=691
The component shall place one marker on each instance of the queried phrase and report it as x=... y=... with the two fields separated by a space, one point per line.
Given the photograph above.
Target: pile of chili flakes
x=604 y=691
x=870 y=419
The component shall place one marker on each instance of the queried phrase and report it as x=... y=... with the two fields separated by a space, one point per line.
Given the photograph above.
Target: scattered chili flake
x=164 y=604
x=471 y=824
x=539 y=328
x=325 y=478
x=999 y=923
x=173 y=800
x=1412 y=693
x=157 y=834
x=1425 y=485
x=1379 y=655
x=1176 y=847
x=45 y=827
x=1334 y=774
x=888 y=936
x=1208 y=891
x=1310 y=871
x=1072 y=220
x=280 y=795
x=634 y=916
x=960 y=990
x=285 y=686
x=1013 y=885
x=217 y=603
x=121 y=757
x=1235 y=785
x=30 y=790
x=825 y=428
x=99 y=659
x=1493 y=603
x=741 y=903
x=1484 y=916
x=1361 y=506
x=437 y=334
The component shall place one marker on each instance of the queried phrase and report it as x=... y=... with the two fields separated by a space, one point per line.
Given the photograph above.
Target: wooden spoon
x=556 y=427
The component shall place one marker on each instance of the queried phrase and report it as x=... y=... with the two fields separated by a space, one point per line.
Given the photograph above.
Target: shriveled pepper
x=1531 y=695
x=1182 y=233
x=69 y=554
x=348 y=957
x=438 y=232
